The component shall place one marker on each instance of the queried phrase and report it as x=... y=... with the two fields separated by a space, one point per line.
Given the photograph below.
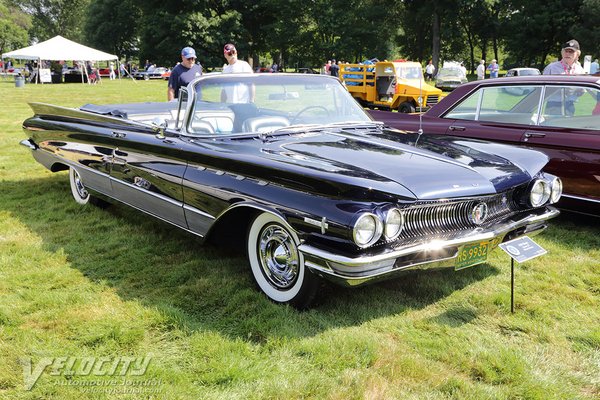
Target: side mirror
x=158 y=126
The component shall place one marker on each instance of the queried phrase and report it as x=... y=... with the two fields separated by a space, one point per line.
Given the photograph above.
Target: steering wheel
x=305 y=109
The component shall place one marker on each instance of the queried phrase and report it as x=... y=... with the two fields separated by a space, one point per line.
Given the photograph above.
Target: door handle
x=529 y=135
x=118 y=134
x=534 y=135
x=457 y=128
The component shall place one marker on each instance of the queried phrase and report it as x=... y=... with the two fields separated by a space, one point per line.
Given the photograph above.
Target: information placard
x=522 y=249
x=45 y=75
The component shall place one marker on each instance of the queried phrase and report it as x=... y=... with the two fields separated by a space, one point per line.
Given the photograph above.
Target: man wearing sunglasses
x=569 y=64
x=183 y=73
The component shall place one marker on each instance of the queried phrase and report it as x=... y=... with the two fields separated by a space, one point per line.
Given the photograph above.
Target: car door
x=569 y=133
x=147 y=173
x=498 y=113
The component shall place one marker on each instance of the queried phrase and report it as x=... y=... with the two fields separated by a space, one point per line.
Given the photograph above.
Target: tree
x=111 y=26
x=587 y=31
x=56 y=17
x=13 y=27
x=537 y=28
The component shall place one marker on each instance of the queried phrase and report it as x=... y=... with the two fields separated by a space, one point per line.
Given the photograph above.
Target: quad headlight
x=540 y=193
x=556 y=190
x=367 y=230
x=394 y=222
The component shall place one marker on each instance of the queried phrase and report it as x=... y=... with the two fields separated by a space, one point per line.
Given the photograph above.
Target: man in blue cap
x=183 y=73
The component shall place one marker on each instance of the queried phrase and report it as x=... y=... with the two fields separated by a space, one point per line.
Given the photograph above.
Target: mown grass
x=88 y=282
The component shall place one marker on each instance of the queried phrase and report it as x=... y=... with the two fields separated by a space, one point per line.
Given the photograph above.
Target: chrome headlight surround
x=394 y=223
x=556 y=190
x=539 y=193
x=367 y=230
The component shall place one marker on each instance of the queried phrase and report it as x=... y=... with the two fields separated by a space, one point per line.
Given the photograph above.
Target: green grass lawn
x=108 y=283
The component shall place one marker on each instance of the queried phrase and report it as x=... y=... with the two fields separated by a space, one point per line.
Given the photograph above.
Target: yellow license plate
x=471 y=255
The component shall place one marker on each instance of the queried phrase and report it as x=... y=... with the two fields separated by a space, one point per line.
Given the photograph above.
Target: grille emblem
x=479 y=213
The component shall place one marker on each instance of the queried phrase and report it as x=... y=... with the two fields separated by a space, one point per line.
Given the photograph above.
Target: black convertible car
x=318 y=188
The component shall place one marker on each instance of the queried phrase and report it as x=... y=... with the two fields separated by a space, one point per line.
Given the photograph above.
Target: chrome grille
x=431 y=100
x=442 y=217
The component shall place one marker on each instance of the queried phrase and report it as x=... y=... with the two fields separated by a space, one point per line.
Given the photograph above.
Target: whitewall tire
x=78 y=190
x=277 y=265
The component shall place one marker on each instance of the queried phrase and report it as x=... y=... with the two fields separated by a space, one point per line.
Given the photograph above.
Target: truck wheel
x=406 y=107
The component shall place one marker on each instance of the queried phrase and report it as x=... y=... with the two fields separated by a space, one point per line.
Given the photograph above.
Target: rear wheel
x=80 y=193
x=406 y=107
x=277 y=265
x=78 y=190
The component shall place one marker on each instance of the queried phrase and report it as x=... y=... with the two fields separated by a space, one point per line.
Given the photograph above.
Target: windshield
x=409 y=72
x=246 y=103
x=450 y=72
x=525 y=72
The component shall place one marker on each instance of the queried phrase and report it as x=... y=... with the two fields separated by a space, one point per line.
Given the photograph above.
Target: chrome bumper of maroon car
x=354 y=271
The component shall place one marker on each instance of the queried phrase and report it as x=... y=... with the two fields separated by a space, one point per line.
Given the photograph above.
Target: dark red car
x=558 y=115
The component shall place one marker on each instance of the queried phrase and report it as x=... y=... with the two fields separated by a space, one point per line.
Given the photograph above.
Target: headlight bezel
x=374 y=237
x=556 y=190
x=544 y=196
x=389 y=236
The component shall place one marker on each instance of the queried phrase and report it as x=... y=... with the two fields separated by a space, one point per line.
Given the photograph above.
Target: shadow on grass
x=202 y=288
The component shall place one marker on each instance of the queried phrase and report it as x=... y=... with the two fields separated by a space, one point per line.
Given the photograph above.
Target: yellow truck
x=391 y=85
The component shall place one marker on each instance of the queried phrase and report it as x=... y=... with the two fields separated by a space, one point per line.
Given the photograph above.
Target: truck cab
x=390 y=85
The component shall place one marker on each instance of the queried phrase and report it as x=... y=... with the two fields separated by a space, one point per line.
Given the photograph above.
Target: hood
x=333 y=162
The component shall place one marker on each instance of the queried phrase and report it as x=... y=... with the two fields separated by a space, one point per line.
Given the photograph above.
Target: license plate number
x=471 y=255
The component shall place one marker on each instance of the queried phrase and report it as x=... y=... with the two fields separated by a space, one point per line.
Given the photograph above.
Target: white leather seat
x=264 y=124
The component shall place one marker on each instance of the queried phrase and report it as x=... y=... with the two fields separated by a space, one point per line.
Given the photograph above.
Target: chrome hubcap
x=79 y=185
x=278 y=256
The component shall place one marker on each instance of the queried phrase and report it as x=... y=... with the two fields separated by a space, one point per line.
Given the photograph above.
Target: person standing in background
x=594 y=67
x=334 y=69
x=236 y=93
x=481 y=70
x=429 y=70
x=183 y=73
x=568 y=64
x=493 y=68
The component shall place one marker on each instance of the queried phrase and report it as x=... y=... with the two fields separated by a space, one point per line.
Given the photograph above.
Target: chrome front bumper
x=354 y=271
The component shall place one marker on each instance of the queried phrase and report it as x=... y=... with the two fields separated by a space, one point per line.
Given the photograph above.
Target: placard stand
x=512 y=285
x=521 y=249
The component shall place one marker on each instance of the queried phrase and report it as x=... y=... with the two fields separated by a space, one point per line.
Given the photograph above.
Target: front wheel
x=406 y=107
x=277 y=265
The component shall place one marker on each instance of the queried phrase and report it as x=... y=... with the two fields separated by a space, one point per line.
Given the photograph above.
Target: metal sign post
x=520 y=250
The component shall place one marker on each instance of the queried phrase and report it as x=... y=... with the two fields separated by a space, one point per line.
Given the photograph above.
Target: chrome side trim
x=197 y=211
x=27 y=144
x=570 y=196
x=145 y=191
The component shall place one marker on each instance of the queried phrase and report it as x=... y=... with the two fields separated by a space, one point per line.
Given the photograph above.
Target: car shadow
x=202 y=287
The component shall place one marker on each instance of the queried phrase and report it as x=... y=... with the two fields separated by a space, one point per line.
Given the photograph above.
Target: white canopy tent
x=58 y=48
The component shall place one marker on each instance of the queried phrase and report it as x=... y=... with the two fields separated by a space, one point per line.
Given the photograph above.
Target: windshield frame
x=342 y=102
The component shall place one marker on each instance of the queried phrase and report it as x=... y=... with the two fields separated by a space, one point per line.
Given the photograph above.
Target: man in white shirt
x=481 y=70
x=569 y=64
x=429 y=70
x=236 y=93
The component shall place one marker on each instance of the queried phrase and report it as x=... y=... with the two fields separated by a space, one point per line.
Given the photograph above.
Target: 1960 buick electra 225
x=318 y=188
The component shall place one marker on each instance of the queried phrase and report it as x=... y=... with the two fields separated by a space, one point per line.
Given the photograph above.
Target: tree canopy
x=307 y=33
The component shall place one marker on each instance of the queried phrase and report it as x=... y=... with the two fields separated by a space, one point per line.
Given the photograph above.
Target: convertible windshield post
x=181 y=106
